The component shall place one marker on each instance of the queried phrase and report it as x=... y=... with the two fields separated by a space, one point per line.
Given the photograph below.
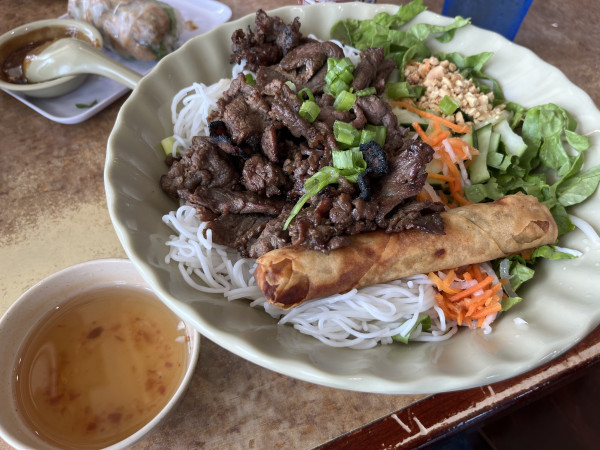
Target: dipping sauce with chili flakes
x=100 y=367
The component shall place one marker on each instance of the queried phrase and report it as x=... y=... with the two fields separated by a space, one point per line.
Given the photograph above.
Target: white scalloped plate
x=561 y=305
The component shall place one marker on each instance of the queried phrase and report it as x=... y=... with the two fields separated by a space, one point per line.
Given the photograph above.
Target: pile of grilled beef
x=249 y=173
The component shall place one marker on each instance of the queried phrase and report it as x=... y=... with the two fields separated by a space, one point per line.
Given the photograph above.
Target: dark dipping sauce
x=14 y=51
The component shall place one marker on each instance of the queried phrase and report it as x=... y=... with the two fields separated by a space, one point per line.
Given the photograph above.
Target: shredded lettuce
x=384 y=31
x=550 y=167
x=402 y=89
x=509 y=302
x=521 y=269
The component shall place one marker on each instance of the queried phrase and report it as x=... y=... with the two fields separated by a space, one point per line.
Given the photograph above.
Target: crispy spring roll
x=473 y=234
x=145 y=30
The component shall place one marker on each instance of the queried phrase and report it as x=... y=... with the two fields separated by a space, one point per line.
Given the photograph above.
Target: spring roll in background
x=473 y=234
x=145 y=30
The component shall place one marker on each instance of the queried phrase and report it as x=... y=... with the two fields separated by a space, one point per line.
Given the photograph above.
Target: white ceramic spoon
x=69 y=56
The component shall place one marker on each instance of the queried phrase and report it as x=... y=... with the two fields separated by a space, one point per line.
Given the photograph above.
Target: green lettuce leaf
x=508 y=302
x=424 y=320
x=384 y=31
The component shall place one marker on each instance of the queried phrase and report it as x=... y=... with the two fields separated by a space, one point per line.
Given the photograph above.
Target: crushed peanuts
x=441 y=78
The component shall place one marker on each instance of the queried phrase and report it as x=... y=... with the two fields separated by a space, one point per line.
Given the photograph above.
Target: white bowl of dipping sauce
x=16 y=43
x=91 y=359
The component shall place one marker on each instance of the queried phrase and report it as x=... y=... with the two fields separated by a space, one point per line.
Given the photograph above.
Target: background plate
x=204 y=15
x=561 y=304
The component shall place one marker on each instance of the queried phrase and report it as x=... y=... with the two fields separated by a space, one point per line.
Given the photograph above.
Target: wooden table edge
x=442 y=415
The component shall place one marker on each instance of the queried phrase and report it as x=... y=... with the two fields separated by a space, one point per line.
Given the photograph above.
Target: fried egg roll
x=145 y=30
x=473 y=234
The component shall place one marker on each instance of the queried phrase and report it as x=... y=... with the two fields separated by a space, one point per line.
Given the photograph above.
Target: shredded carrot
x=487 y=311
x=467 y=306
x=463 y=129
x=439 y=176
x=438 y=138
x=448 y=279
x=460 y=198
x=445 y=146
x=421 y=133
x=455 y=185
x=442 y=285
x=461 y=149
x=477 y=272
x=472 y=289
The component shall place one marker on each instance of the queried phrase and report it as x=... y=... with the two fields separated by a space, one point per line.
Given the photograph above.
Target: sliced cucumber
x=494 y=142
x=478 y=172
x=469 y=139
x=483 y=138
x=495 y=159
x=406 y=118
x=513 y=143
x=493 y=147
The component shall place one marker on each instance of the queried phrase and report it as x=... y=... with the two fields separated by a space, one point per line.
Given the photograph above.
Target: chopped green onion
x=448 y=105
x=350 y=163
x=337 y=66
x=330 y=77
x=167 y=145
x=309 y=110
x=402 y=89
x=324 y=177
x=346 y=76
x=344 y=101
x=345 y=133
x=331 y=62
x=291 y=85
x=348 y=159
x=309 y=94
x=380 y=133
x=250 y=79
x=339 y=75
x=367 y=136
x=338 y=86
x=368 y=91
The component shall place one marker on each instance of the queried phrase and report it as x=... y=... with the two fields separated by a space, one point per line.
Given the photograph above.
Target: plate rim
x=360 y=382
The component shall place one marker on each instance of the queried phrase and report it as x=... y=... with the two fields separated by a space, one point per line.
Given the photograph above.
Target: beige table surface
x=53 y=214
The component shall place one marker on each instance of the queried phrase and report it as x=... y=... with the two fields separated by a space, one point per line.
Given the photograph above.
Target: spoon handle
x=100 y=64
